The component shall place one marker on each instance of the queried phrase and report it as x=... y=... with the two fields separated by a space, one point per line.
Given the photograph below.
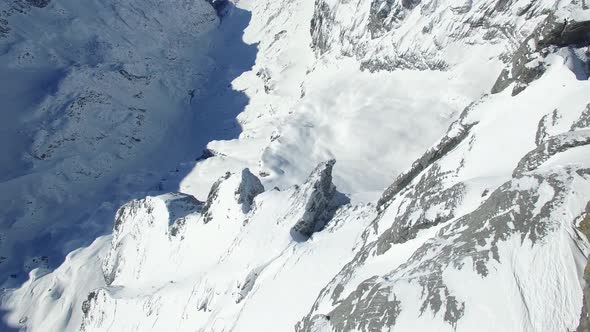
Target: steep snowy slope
x=100 y=101
x=459 y=248
x=485 y=230
x=493 y=227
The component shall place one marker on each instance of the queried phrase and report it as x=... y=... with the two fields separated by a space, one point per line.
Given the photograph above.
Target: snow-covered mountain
x=395 y=165
x=99 y=101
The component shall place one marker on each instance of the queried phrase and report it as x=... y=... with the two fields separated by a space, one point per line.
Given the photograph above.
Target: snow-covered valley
x=324 y=165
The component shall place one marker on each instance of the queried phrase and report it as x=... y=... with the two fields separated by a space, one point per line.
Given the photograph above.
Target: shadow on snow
x=213 y=117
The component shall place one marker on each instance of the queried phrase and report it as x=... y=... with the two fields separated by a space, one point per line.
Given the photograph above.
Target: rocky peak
x=528 y=62
x=455 y=135
x=212 y=197
x=243 y=187
x=250 y=186
x=314 y=200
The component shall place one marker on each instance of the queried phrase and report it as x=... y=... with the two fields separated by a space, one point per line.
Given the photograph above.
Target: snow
x=374 y=124
x=338 y=119
x=102 y=112
x=187 y=252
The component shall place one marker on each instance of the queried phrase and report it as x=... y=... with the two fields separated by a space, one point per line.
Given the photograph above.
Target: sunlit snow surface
x=216 y=261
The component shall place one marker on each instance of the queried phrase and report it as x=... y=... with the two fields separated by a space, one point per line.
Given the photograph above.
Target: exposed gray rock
x=404 y=61
x=562 y=33
x=410 y=4
x=465 y=8
x=87 y=306
x=546 y=122
x=265 y=76
x=316 y=195
x=379 y=21
x=249 y=188
x=550 y=147
x=503 y=81
x=454 y=136
x=520 y=72
x=212 y=196
x=378 y=313
x=321 y=26
x=583 y=121
x=511 y=210
x=95 y=310
x=428 y=193
x=88 y=302
x=386 y=23
x=528 y=60
x=179 y=206
x=384 y=16
x=514 y=209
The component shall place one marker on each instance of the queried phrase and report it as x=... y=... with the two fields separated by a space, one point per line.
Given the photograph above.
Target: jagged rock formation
x=511 y=210
x=250 y=187
x=529 y=207
x=528 y=62
x=315 y=200
x=583 y=121
x=454 y=136
x=132 y=265
x=392 y=35
x=213 y=195
x=550 y=147
x=452 y=246
x=144 y=229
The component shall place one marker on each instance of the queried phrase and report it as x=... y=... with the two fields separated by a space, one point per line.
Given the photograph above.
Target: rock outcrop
x=550 y=147
x=314 y=200
x=583 y=121
x=245 y=185
x=475 y=238
x=455 y=135
x=250 y=186
x=528 y=62
x=212 y=197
